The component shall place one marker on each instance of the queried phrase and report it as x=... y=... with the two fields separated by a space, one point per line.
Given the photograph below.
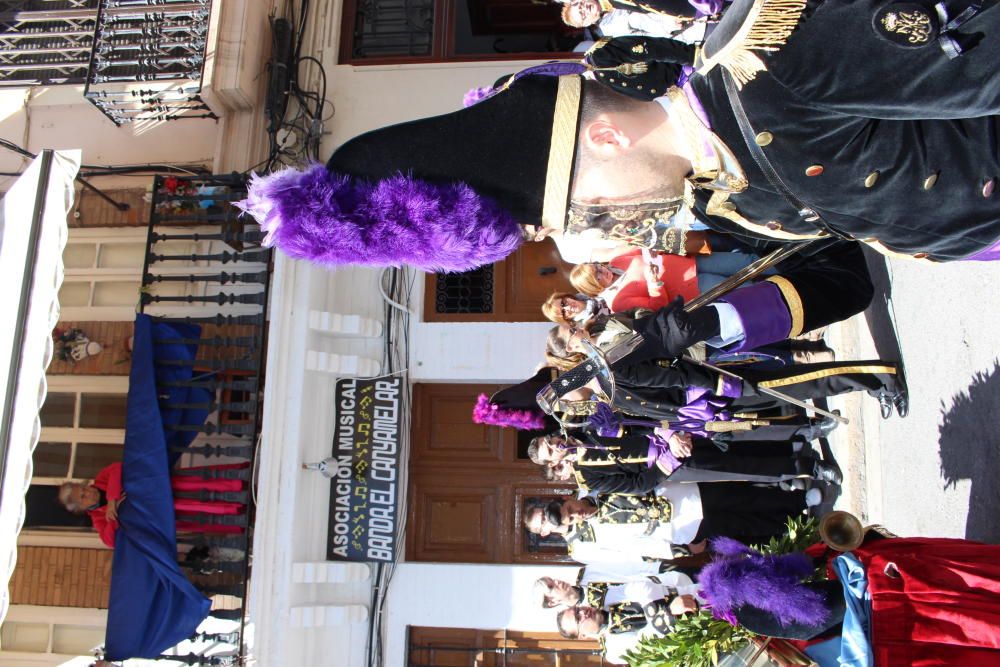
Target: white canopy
x=32 y=237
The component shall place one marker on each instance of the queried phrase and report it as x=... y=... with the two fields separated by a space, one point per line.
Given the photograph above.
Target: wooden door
x=467 y=647
x=509 y=291
x=469 y=484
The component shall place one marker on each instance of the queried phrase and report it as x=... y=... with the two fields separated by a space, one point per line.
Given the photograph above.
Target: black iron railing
x=110 y=46
x=205 y=266
x=160 y=43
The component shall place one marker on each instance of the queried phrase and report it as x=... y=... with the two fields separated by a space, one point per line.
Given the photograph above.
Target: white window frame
x=79 y=385
x=53 y=617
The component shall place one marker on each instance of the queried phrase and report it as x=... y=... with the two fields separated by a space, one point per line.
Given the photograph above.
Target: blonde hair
x=583 y=278
x=553 y=312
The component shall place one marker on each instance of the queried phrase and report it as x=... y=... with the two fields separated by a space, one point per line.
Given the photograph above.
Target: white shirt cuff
x=730 y=326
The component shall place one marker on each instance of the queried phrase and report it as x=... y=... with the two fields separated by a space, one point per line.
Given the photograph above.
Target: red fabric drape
x=939 y=603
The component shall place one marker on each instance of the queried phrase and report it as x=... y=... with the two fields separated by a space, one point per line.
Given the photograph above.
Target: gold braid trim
x=828 y=372
x=794 y=301
x=766 y=28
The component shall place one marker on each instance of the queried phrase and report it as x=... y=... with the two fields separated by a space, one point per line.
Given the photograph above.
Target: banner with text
x=364 y=492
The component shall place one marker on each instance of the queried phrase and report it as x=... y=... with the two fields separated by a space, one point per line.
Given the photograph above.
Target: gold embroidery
x=915 y=25
x=794 y=301
x=599 y=44
x=829 y=372
x=561 y=149
x=639 y=48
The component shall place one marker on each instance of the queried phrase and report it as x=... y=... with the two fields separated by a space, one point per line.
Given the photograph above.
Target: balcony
x=139 y=60
x=205 y=267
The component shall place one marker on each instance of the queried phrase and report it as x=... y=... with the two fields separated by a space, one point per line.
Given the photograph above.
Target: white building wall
x=59 y=117
x=293 y=504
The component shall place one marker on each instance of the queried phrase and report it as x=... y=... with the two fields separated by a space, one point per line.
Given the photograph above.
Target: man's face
x=582 y=622
x=562 y=471
x=575 y=511
x=551 y=450
x=582 y=13
x=628 y=156
x=562 y=593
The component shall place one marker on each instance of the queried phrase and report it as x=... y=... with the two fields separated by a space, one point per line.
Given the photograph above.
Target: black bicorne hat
x=441 y=193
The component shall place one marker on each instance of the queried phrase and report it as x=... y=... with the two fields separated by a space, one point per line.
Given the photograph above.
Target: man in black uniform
x=630 y=465
x=857 y=119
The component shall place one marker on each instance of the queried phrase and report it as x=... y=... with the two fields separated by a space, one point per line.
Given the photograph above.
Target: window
x=83 y=428
x=411 y=31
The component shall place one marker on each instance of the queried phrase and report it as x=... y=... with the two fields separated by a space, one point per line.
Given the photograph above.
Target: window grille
x=393 y=28
x=469 y=292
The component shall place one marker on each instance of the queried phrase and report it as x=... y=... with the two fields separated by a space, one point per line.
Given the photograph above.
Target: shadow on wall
x=970 y=449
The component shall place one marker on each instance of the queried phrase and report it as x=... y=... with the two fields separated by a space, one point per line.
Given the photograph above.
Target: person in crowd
x=618 y=528
x=102 y=500
x=639 y=463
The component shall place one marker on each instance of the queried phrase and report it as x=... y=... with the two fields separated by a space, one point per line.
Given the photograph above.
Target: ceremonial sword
x=588 y=369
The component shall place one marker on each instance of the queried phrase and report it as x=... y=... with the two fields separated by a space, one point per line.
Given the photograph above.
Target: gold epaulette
x=599 y=44
x=766 y=27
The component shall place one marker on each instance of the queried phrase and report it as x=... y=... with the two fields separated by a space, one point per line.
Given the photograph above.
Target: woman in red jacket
x=102 y=498
x=635 y=280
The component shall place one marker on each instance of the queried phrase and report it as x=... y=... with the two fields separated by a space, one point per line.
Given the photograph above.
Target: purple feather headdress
x=743 y=576
x=488 y=413
x=334 y=219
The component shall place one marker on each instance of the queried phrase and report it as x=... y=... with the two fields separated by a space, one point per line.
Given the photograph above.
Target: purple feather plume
x=488 y=413
x=334 y=219
x=773 y=583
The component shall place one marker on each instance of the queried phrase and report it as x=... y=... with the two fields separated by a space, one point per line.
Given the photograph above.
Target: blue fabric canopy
x=152 y=606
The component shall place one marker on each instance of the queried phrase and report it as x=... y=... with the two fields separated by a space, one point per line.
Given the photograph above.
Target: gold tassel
x=771 y=23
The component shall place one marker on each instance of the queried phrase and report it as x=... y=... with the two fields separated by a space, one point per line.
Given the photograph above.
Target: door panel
x=512 y=292
x=468 y=487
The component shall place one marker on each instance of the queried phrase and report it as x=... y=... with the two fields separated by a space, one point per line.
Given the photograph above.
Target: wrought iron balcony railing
x=205 y=266
x=110 y=46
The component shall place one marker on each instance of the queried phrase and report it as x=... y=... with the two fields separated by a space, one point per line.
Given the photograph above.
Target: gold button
x=773 y=225
x=930 y=181
x=920 y=255
x=611 y=80
x=764 y=138
x=988 y=187
x=814 y=170
x=640 y=87
x=653 y=92
x=625 y=85
x=727 y=206
x=821 y=233
x=870 y=239
x=872 y=179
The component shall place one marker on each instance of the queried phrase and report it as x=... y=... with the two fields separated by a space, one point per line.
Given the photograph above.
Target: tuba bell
x=841 y=531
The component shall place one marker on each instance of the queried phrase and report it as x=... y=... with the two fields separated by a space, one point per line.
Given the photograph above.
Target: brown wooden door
x=466 y=647
x=510 y=291
x=469 y=484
